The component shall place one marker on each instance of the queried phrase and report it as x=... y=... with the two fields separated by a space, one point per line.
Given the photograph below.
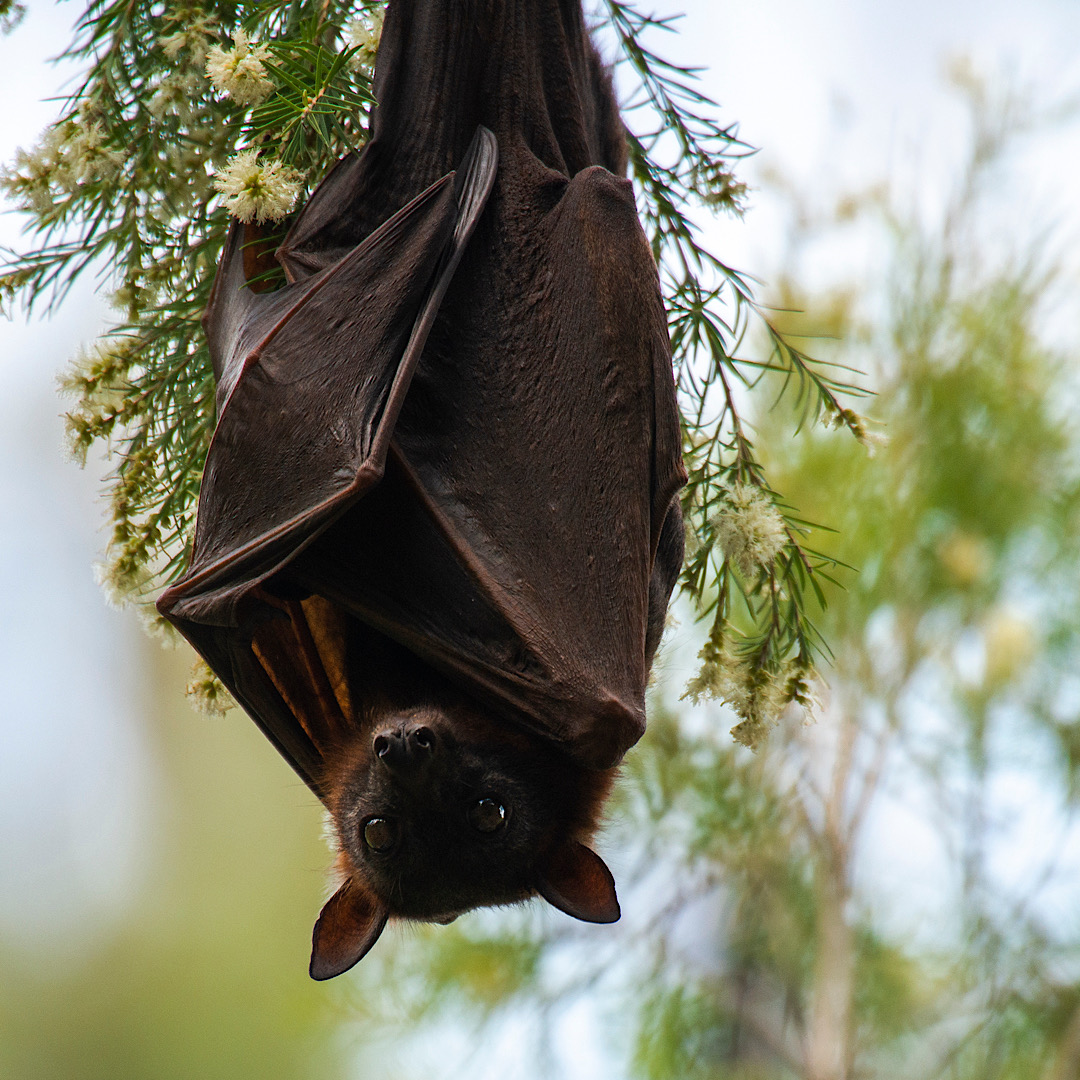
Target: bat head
x=442 y=810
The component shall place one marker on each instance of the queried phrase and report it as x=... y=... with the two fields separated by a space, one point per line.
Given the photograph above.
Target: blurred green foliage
x=771 y=928
x=203 y=975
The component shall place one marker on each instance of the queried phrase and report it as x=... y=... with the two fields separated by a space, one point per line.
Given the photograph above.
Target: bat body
x=438 y=530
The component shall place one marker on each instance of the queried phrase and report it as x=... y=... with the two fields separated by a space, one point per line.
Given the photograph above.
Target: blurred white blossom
x=191 y=43
x=70 y=153
x=174 y=94
x=86 y=156
x=966 y=558
x=1010 y=643
x=28 y=180
x=156 y=626
x=364 y=34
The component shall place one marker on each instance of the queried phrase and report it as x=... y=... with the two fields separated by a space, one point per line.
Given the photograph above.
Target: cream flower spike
x=364 y=34
x=750 y=529
x=240 y=72
x=257 y=191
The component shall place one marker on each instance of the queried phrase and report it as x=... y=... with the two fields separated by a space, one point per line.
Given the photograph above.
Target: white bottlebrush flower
x=206 y=692
x=757 y=693
x=364 y=34
x=88 y=158
x=155 y=625
x=724 y=676
x=98 y=378
x=749 y=529
x=122 y=580
x=191 y=44
x=28 y=180
x=37 y=176
x=174 y=94
x=240 y=72
x=858 y=425
x=70 y=153
x=103 y=365
x=257 y=191
x=172 y=45
x=691 y=540
x=771 y=690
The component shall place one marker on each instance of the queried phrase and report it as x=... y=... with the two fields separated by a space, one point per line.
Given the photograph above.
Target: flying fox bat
x=438 y=526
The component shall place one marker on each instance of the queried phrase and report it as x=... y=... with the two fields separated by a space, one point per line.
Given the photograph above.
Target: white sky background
x=70 y=746
x=836 y=93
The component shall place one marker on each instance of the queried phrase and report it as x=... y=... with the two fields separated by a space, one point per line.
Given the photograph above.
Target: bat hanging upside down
x=438 y=526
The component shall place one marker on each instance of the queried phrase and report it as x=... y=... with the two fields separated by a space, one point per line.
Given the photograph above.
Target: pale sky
x=70 y=745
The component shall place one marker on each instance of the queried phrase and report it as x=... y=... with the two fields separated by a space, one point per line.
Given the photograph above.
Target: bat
x=438 y=526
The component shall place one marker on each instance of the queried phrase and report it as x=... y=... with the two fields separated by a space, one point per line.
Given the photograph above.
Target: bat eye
x=380 y=834
x=487 y=816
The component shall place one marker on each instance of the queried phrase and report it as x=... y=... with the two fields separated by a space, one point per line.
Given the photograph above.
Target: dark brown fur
x=438 y=528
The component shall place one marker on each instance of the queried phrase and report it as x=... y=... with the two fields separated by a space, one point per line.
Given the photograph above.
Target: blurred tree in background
x=890 y=892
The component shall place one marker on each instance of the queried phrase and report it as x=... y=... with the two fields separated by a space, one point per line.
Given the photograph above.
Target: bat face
x=438 y=821
x=439 y=806
x=438 y=525
x=440 y=826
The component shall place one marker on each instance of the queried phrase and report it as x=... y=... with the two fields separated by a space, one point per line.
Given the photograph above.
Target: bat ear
x=575 y=880
x=348 y=925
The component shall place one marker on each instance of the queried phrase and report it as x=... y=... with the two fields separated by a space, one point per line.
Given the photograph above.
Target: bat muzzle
x=408 y=751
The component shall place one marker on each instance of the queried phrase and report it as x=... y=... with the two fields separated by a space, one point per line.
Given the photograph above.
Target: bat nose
x=406 y=749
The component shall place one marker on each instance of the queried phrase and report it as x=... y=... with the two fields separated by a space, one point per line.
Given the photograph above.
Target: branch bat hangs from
x=438 y=529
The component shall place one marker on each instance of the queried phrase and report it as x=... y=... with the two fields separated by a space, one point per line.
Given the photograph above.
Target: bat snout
x=405 y=749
